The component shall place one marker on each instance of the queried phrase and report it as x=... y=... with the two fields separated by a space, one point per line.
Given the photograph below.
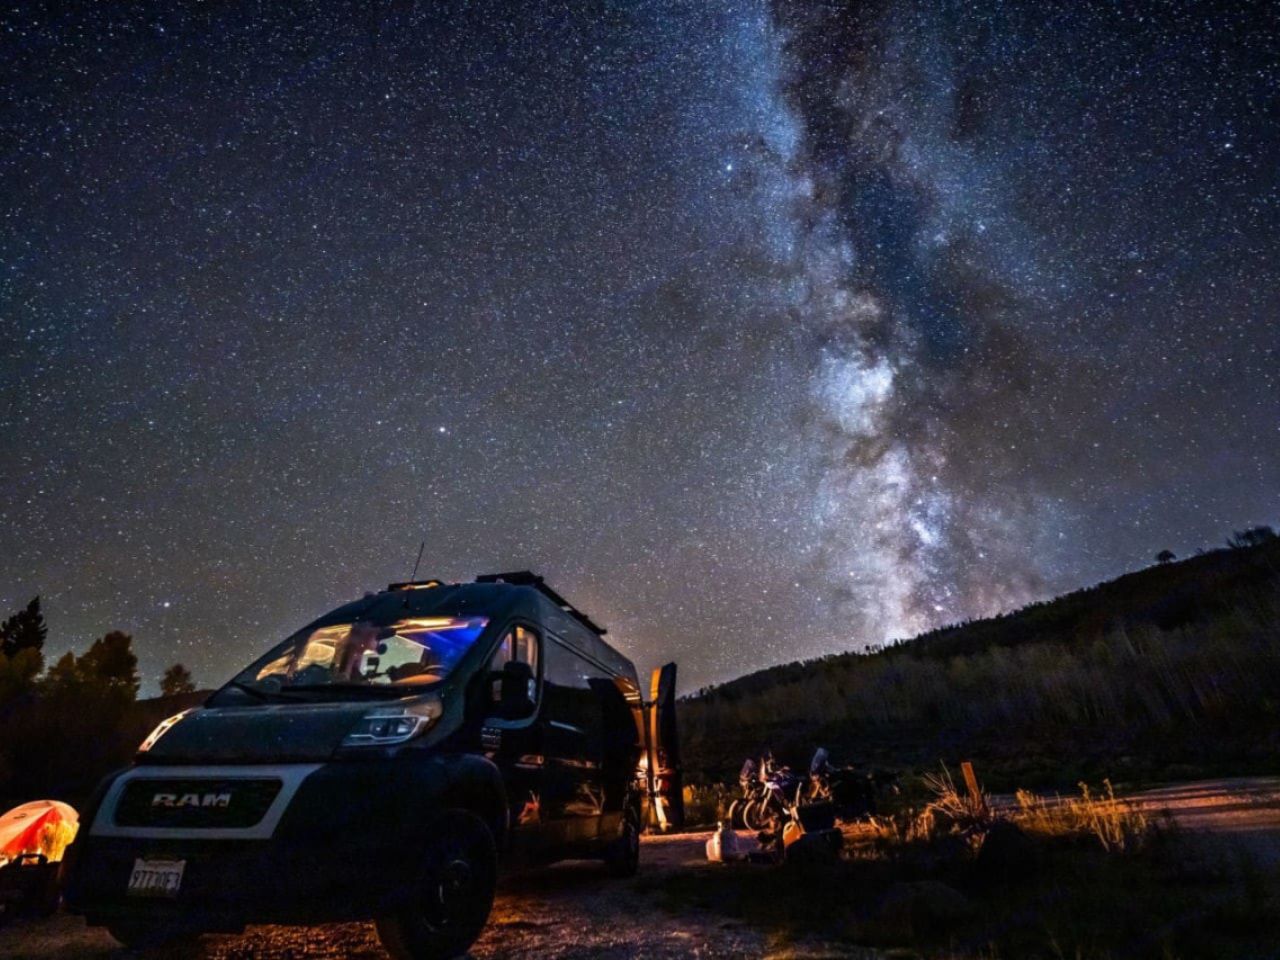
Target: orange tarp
x=20 y=828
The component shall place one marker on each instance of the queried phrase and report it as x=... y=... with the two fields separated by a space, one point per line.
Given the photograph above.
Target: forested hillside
x=1170 y=671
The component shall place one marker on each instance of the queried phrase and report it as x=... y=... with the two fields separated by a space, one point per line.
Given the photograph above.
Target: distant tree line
x=67 y=726
x=1239 y=540
x=1252 y=537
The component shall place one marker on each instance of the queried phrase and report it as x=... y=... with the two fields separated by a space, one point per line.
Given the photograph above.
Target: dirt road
x=1230 y=816
x=573 y=911
x=1240 y=806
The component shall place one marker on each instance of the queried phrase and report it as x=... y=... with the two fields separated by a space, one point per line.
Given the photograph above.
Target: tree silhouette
x=177 y=679
x=1251 y=537
x=25 y=630
x=1165 y=556
x=111 y=660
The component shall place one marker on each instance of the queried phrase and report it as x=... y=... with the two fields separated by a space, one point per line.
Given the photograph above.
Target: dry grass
x=1116 y=823
x=967 y=811
x=950 y=812
x=881 y=833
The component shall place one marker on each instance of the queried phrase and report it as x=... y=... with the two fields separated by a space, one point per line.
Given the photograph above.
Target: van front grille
x=199 y=803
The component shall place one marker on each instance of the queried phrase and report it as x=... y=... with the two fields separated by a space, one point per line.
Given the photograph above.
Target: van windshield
x=408 y=653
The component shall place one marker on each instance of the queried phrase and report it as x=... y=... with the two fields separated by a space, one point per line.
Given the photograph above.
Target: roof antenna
x=413 y=576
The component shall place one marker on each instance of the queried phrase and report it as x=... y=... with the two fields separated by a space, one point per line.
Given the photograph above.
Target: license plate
x=156 y=878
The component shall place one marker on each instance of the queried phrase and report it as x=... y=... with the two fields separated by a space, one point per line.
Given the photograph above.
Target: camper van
x=379 y=764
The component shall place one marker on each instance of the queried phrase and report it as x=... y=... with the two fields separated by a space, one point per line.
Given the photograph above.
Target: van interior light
x=432 y=623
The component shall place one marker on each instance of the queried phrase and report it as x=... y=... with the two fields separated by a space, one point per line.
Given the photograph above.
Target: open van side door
x=662 y=752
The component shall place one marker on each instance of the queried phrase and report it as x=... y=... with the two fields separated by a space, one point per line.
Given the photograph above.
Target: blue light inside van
x=449 y=637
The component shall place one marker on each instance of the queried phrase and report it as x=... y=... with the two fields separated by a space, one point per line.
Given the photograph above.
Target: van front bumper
x=343 y=840
x=227 y=883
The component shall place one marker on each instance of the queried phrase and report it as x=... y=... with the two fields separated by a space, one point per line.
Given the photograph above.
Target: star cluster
x=762 y=330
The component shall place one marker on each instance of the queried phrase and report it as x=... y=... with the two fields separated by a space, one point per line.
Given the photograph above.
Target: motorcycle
x=751 y=787
x=853 y=794
x=770 y=796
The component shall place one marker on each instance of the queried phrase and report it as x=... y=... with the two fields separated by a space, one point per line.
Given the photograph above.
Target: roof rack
x=526 y=578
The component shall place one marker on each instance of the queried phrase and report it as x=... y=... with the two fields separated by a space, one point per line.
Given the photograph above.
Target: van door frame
x=523 y=768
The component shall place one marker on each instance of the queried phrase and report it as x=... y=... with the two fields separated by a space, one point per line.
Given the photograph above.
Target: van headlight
x=386 y=726
x=163 y=727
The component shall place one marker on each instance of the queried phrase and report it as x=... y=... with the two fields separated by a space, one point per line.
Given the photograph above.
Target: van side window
x=519 y=643
x=525 y=644
x=579 y=693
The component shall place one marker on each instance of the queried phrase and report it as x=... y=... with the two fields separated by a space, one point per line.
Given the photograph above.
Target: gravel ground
x=571 y=911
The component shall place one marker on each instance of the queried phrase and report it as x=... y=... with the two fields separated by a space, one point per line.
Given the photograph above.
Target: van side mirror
x=516 y=691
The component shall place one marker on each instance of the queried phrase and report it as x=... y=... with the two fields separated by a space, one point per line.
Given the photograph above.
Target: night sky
x=763 y=331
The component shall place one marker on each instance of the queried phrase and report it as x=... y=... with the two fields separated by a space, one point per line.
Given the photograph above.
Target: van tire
x=622 y=856
x=454 y=894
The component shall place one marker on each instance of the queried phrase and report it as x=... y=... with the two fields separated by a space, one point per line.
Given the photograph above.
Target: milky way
x=763 y=331
x=972 y=399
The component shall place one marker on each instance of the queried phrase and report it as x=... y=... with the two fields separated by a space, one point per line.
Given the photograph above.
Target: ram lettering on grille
x=191 y=800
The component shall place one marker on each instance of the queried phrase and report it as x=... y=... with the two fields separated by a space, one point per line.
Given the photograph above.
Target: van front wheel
x=453 y=897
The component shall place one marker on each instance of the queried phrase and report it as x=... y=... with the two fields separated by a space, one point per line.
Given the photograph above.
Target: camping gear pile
x=789 y=812
x=33 y=837
x=725 y=845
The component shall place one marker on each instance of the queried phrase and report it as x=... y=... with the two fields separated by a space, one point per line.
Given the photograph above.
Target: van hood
x=266 y=733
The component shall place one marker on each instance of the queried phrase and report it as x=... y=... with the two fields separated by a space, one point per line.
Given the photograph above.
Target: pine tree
x=25 y=630
x=111 y=660
x=177 y=679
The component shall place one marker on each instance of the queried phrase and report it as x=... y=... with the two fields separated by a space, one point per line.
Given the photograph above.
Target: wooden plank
x=970 y=780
